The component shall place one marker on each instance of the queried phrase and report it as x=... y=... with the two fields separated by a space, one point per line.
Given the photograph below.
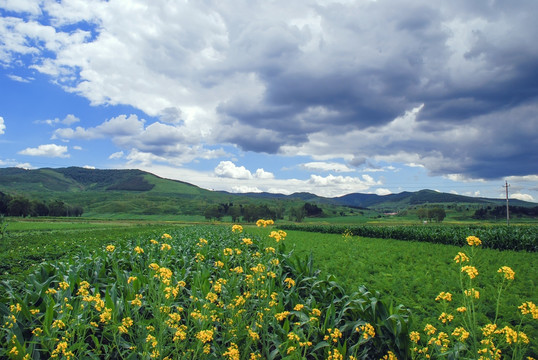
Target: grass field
x=403 y=272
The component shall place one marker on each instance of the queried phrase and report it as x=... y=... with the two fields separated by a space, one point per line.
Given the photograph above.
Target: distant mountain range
x=140 y=192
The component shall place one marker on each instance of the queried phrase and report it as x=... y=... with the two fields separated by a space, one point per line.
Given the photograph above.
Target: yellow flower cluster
x=430 y=329
x=444 y=318
x=126 y=323
x=278 y=235
x=139 y=250
x=367 y=330
x=334 y=334
x=470 y=270
x=165 y=247
x=232 y=353
x=461 y=334
x=205 y=336
x=289 y=282
x=237 y=228
x=414 y=336
x=335 y=355
x=509 y=274
x=461 y=257
x=473 y=241
x=444 y=296
x=529 y=308
x=390 y=356
x=110 y=248
x=166 y=236
x=247 y=241
x=281 y=316
x=472 y=293
x=264 y=223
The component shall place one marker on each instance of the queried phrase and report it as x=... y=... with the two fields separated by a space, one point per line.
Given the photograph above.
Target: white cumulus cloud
x=2 y=125
x=48 y=150
x=228 y=169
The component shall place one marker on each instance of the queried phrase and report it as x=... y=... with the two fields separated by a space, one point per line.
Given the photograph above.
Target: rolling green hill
x=137 y=192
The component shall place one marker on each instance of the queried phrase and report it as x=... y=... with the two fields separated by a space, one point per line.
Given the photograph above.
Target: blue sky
x=329 y=97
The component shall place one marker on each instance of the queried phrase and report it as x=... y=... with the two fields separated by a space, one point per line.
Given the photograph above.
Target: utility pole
x=507 y=208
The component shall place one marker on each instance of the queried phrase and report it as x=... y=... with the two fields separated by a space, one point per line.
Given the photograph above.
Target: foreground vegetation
x=412 y=273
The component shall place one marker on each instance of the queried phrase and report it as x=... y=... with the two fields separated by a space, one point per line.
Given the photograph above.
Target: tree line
x=499 y=212
x=22 y=207
x=253 y=212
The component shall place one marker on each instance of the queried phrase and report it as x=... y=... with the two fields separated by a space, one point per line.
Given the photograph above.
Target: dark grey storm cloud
x=467 y=62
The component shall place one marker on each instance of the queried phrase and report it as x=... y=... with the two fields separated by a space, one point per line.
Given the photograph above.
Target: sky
x=328 y=97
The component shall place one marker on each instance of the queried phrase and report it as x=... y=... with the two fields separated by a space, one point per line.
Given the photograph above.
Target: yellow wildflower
x=58 y=324
x=270 y=249
x=390 y=356
x=461 y=309
x=219 y=264
x=247 y=241
x=472 y=293
x=489 y=329
x=335 y=355
x=367 y=330
x=50 y=291
x=334 y=334
x=165 y=247
x=110 y=248
x=444 y=318
x=232 y=353
x=429 y=329
x=228 y=251
x=460 y=333
x=444 y=296
x=281 y=316
x=37 y=331
x=139 y=250
x=237 y=228
x=137 y=300
x=253 y=335
x=212 y=297
x=166 y=236
x=152 y=340
x=154 y=242
x=461 y=257
x=63 y=285
x=316 y=312
x=298 y=307
x=529 y=307
x=34 y=311
x=289 y=282
x=205 y=336
x=508 y=272
x=199 y=257
x=131 y=279
x=106 y=315
x=473 y=241
x=154 y=266
x=414 y=336
x=470 y=270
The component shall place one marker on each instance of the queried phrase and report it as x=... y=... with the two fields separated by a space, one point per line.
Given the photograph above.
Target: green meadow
x=383 y=287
